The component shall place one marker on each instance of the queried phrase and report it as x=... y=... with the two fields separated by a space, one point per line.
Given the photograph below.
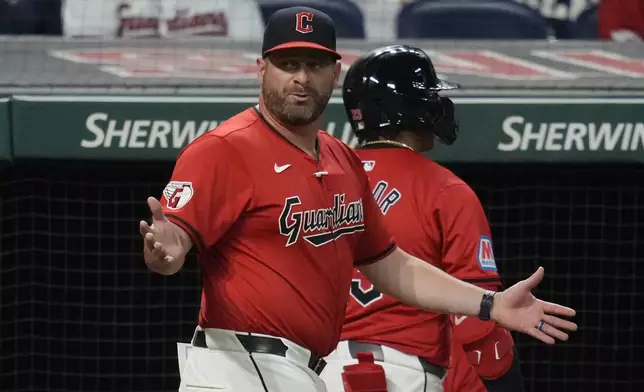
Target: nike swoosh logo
x=279 y=169
x=458 y=320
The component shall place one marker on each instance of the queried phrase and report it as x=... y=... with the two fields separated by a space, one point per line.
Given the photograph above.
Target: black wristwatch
x=486 y=305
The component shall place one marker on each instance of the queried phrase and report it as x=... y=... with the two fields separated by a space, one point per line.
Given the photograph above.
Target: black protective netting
x=80 y=312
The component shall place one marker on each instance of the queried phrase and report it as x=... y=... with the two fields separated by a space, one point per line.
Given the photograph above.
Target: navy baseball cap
x=299 y=27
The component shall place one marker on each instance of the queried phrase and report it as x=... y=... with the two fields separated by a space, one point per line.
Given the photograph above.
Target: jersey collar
x=275 y=131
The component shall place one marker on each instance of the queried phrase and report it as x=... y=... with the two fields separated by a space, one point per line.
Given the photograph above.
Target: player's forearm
x=423 y=286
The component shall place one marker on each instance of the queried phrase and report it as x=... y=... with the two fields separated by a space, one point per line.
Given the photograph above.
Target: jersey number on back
x=362 y=296
x=386 y=199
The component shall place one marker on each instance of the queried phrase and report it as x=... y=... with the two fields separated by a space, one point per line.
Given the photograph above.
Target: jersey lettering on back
x=386 y=199
x=364 y=297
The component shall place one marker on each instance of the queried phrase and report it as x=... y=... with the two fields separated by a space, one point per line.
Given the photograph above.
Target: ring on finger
x=541 y=325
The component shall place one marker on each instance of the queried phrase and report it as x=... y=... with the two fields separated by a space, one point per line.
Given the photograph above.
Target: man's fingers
x=149 y=240
x=552 y=329
x=155 y=208
x=158 y=251
x=534 y=280
x=535 y=333
x=560 y=323
x=144 y=228
x=554 y=332
x=550 y=308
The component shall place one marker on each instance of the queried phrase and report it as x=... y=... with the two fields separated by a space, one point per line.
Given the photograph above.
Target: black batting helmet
x=395 y=88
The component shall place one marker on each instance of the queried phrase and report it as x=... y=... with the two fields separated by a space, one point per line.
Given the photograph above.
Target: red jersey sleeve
x=376 y=242
x=620 y=15
x=467 y=251
x=208 y=191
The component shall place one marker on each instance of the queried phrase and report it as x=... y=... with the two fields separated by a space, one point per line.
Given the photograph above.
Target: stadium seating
x=586 y=26
x=30 y=17
x=471 y=19
x=346 y=15
x=18 y=18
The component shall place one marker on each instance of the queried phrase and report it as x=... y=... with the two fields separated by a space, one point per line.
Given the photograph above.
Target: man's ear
x=261 y=69
x=337 y=71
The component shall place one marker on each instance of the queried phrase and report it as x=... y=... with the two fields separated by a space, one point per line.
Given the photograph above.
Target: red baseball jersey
x=278 y=232
x=436 y=217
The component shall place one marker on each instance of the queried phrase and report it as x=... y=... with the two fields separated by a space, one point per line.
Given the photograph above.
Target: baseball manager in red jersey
x=280 y=213
x=392 y=97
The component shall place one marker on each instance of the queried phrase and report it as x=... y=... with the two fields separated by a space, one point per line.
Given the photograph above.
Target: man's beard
x=295 y=114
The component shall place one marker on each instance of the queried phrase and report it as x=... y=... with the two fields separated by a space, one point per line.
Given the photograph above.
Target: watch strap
x=486 y=305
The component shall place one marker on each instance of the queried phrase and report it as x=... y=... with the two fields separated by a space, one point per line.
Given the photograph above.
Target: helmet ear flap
x=446 y=126
x=447 y=105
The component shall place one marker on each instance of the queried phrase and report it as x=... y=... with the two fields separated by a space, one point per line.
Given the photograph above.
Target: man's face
x=296 y=84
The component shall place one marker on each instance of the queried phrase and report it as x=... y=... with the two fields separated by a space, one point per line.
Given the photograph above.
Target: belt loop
x=200 y=339
x=194 y=335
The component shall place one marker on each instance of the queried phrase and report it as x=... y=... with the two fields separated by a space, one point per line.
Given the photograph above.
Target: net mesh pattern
x=80 y=312
x=584 y=226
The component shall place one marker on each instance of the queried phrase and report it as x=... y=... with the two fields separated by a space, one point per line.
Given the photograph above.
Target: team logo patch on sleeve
x=486 y=254
x=368 y=165
x=178 y=194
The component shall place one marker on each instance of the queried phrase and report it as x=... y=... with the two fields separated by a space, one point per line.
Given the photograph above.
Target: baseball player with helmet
x=280 y=213
x=391 y=96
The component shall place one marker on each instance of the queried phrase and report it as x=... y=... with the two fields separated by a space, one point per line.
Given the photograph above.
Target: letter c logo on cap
x=302 y=22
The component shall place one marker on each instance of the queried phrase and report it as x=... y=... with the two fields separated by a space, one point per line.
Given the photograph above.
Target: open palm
x=161 y=238
x=517 y=309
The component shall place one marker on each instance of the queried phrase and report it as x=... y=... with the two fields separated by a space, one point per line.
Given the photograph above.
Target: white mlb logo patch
x=368 y=165
x=486 y=254
x=178 y=194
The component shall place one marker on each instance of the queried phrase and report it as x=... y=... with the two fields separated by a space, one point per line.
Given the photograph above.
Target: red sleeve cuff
x=195 y=236
x=388 y=250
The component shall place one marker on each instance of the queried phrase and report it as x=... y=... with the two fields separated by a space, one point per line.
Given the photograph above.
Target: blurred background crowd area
x=378 y=20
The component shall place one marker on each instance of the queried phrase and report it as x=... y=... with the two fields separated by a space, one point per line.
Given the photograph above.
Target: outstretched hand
x=517 y=309
x=162 y=243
